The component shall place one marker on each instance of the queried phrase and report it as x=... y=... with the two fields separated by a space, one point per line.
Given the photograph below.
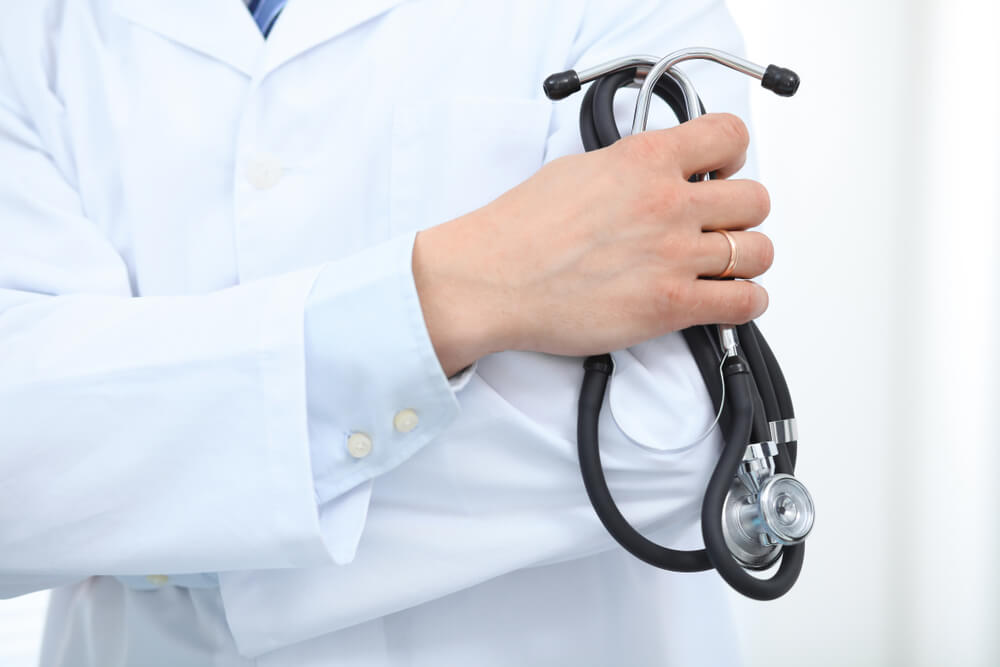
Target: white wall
x=883 y=172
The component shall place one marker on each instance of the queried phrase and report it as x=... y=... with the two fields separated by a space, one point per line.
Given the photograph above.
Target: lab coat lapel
x=305 y=24
x=222 y=29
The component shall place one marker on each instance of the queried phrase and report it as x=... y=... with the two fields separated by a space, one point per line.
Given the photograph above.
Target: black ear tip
x=561 y=84
x=782 y=81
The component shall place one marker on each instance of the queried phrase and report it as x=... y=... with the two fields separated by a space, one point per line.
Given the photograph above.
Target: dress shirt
x=226 y=439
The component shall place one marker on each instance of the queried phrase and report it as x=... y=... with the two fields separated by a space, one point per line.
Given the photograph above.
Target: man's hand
x=600 y=251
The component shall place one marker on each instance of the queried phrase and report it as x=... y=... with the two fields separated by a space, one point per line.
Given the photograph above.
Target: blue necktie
x=265 y=13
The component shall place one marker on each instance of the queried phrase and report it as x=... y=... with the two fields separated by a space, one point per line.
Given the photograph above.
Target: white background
x=883 y=172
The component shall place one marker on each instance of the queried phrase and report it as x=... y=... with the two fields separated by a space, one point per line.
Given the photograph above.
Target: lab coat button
x=264 y=171
x=359 y=445
x=405 y=420
x=157 y=579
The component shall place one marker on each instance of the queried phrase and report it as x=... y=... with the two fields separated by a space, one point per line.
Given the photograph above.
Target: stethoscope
x=755 y=511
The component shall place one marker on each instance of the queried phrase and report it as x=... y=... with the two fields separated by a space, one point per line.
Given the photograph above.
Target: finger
x=754 y=254
x=738 y=204
x=727 y=301
x=713 y=142
x=728 y=170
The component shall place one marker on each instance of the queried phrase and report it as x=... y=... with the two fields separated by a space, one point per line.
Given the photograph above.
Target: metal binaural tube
x=642 y=63
x=649 y=69
x=667 y=63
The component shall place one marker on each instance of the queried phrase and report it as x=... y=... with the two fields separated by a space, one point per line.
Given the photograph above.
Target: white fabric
x=181 y=203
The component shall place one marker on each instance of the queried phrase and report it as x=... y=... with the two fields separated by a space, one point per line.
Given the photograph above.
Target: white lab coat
x=175 y=195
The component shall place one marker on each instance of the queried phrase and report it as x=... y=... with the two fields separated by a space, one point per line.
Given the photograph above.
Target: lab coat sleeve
x=169 y=434
x=346 y=339
x=499 y=492
x=364 y=368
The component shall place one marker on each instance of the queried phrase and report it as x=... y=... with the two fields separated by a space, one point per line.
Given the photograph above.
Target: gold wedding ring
x=734 y=254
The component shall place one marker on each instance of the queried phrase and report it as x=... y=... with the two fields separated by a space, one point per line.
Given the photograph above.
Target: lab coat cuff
x=342 y=520
x=459 y=380
x=376 y=390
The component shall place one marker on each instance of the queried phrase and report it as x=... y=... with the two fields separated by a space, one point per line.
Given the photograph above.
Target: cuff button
x=406 y=420
x=359 y=445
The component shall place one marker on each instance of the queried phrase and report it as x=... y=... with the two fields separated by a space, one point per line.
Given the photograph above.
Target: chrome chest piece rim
x=757 y=526
x=742 y=528
x=786 y=509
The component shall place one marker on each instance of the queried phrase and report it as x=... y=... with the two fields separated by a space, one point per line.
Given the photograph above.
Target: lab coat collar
x=305 y=24
x=224 y=29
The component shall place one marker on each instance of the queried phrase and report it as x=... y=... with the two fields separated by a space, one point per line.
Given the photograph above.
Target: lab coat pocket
x=450 y=157
x=657 y=397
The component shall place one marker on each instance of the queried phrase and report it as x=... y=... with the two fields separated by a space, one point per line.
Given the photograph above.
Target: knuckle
x=671 y=205
x=647 y=147
x=655 y=201
x=673 y=297
x=671 y=248
x=636 y=146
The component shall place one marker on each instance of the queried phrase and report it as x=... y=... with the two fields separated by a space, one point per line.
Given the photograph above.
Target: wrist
x=459 y=304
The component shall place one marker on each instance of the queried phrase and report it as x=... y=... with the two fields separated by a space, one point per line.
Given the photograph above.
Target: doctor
x=249 y=416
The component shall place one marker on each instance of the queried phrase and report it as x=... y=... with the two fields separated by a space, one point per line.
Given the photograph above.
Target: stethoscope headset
x=754 y=511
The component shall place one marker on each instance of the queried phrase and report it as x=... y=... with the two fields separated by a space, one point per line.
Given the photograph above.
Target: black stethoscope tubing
x=755 y=390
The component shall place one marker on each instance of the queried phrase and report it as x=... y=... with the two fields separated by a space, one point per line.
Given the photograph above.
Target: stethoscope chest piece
x=764 y=511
